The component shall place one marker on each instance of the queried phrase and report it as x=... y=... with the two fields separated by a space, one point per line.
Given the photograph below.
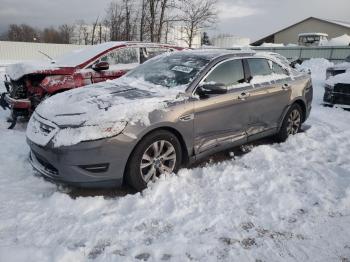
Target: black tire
x=134 y=175
x=285 y=131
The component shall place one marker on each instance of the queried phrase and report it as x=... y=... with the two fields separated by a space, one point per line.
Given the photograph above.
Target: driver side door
x=220 y=120
x=120 y=61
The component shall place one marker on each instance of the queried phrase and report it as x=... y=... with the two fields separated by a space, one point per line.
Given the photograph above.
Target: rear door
x=269 y=95
x=221 y=120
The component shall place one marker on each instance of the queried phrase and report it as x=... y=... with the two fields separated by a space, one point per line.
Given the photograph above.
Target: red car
x=28 y=84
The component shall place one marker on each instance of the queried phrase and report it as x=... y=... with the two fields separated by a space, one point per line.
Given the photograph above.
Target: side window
x=121 y=56
x=259 y=67
x=228 y=73
x=150 y=52
x=277 y=69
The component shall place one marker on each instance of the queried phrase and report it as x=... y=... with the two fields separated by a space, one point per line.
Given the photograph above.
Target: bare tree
x=197 y=15
x=22 y=33
x=94 y=25
x=66 y=32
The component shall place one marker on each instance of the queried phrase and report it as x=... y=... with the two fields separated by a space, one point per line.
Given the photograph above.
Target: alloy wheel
x=294 y=121
x=159 y=158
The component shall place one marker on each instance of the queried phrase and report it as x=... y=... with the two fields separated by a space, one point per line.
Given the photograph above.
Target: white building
x=228 y=41
x=177 y=36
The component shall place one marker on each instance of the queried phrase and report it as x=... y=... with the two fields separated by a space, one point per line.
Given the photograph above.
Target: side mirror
x=211 y=89
x=101 y=66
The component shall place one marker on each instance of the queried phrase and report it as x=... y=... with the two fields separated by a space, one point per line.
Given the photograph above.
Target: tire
x=291 y=123
x=158 y=152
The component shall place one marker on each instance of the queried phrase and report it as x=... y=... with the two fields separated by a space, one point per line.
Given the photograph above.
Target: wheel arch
x=184 y=149
x=300 y=102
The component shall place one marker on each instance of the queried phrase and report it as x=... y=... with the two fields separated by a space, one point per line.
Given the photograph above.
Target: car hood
x=339 y=79
x=103 y=103
x=18 y=70
x=341 y=66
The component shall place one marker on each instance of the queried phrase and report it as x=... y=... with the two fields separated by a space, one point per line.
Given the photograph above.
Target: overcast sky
x=250 y=18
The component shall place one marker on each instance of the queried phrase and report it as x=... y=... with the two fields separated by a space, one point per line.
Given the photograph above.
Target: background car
x=173 y=110
x=337 y=69
x=337 y=91
x=28 y=84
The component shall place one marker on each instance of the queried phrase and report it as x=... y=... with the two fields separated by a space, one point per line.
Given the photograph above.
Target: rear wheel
x=158 y=153
x=291 y=123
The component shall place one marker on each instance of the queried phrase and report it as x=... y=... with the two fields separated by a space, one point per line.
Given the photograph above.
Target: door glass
x=259 y=67
x=149 y=52
x=277 y=69
x=121 y=56
x=229 y=73
x=264 y=71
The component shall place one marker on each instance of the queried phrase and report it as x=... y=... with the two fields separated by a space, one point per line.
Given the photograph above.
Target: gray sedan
x=169 y=112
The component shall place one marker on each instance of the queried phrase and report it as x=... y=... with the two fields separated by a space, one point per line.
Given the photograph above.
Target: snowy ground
x=280 y=202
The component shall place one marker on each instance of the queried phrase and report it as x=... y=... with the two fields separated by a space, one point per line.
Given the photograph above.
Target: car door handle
x=286 y=87
x=244 y=96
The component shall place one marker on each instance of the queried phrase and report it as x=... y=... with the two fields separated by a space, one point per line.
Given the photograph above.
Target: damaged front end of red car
x=24 y=94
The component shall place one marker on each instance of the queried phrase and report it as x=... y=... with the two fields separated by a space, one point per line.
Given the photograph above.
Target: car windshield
x=176 y=70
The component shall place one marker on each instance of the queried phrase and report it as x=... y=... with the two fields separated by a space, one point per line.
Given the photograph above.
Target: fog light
x=97 y=168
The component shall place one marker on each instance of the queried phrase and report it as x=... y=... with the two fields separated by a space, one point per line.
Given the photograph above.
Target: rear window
x=259 y=67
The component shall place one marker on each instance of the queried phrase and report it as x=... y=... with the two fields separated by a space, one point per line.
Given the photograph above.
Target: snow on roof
x=342 y=23
x=80 y=56
x=313 y=34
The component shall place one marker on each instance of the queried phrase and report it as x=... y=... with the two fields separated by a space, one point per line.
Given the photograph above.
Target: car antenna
x=49 y=57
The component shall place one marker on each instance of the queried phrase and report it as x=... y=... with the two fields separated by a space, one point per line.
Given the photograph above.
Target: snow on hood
x=341 y=66
x=16 y=71
x=341 y=78
x=111 y=101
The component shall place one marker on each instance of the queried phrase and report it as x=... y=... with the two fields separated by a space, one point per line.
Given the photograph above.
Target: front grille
x=342 y=88
x=48 y=167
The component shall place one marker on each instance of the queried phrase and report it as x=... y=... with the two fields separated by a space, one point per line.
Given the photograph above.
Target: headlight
x=74 y=135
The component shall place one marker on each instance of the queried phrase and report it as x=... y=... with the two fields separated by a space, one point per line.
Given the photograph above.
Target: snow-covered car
x=337 y=69
x=173 y=110
x=29 y=83
x=337 y=90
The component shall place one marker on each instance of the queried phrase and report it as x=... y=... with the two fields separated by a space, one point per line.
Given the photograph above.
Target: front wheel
x=291 y=123
x=157 y=153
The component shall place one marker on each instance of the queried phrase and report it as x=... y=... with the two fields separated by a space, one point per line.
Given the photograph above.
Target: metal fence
x=332 y=53
x=19 y=51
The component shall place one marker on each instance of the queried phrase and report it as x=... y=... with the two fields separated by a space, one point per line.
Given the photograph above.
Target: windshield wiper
x=49 y=57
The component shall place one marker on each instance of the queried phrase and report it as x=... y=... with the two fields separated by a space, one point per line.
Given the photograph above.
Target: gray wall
x=290 y=35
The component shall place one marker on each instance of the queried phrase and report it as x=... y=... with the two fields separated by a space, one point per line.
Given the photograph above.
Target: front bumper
x=336 y=98
x=93 y=164
x=17 y=103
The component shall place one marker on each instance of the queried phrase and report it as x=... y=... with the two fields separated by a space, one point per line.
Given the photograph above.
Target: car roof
x=211 y=54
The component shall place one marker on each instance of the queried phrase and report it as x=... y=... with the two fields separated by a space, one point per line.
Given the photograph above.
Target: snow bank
x=280 y=202
x=343 y=40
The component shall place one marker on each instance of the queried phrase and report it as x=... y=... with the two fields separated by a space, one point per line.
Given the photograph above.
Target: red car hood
x=16 y=71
